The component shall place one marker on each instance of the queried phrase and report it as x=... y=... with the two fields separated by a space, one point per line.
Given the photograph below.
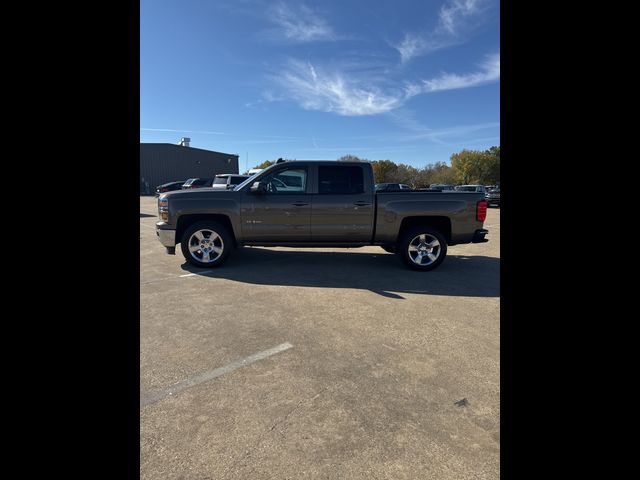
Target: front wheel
x=422 y=248
x=206 y=244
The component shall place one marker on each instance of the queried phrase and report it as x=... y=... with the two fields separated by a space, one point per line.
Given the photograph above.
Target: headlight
x=163 y=208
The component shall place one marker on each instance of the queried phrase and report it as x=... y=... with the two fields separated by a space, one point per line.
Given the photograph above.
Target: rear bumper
x=478 y=236
x=166 y=236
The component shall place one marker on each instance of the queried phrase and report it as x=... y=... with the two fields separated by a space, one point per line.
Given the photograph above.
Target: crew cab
x=319 y=204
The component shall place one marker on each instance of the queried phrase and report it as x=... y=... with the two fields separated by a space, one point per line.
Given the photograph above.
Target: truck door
x=283 y=213
x=343 y=204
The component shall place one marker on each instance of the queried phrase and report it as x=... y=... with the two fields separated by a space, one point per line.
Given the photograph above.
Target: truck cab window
x=288 y=180
x=340 y=179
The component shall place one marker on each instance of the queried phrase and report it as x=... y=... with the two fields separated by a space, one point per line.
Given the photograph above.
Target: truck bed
x=453 y=209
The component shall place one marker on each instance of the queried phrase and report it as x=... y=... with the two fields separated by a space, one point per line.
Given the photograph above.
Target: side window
x=340 y=179
x=288 y=180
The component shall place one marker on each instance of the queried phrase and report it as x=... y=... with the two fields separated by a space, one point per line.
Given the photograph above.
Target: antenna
x=246 y=163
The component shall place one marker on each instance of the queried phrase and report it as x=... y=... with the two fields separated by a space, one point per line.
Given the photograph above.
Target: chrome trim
x=166 y=237
x=201 y=246
x=424 y=247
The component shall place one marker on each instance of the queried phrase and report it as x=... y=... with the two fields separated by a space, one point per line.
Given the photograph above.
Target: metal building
x=165 y=162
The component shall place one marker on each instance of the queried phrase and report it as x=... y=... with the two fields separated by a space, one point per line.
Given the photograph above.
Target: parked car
x=441 y=187
x=197 y=183
x=493 y=196
x=253 y=171
x=325 y=203
x=227 y=181
x=471 y=188
x=391 y=187
x=169 y=187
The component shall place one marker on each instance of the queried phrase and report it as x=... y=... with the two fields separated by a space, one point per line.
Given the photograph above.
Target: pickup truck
x=318 y=204
x=493 y=197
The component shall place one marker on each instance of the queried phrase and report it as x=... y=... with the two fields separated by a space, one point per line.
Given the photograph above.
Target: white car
x=227 y=181
x=471 y=188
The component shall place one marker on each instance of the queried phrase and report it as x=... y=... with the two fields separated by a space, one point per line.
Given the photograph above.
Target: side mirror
x=258 y=187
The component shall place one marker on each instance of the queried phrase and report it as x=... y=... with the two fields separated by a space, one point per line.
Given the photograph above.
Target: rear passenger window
x=340 y=179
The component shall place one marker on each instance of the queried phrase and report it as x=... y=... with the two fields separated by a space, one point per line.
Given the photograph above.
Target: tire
x=430 y=249
x=389 y=248
x=192 y=244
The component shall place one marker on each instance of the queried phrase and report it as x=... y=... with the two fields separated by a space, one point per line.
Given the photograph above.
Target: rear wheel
x=422 y=248
x=206 y=244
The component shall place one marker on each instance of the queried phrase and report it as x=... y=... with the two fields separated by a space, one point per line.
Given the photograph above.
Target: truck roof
x=327 y=162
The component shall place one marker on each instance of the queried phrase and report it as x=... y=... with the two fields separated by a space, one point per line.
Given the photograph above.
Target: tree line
x=467 y=167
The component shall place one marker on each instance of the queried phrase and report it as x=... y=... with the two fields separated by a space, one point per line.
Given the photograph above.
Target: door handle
x=299 y=204
x=362 y=204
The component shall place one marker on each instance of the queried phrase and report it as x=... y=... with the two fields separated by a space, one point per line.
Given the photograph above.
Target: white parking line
x=173 y=277
x=156 y=396
x=199 y=274
x=496 y=225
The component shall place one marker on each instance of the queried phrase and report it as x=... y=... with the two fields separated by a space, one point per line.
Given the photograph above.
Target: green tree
x=265 y=164
x=468 y=166
x=405 y=174
x=349 y=158
x=442 y=173
x=384 y=171
x=492 y=170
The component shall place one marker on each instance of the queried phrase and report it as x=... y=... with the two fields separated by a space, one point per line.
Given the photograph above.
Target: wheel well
x=185 y=221
x=442 y=224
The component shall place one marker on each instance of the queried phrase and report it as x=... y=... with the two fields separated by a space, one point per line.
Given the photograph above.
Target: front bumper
x=166 y=236
x=478 y=236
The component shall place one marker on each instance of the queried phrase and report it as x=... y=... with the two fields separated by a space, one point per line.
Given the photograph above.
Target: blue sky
x=408 y=81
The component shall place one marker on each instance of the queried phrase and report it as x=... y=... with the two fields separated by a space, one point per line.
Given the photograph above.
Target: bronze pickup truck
x=318 y=204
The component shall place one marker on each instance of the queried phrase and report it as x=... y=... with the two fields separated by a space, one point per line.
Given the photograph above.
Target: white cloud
x=353 y=94
x=454 y=12
x=315 y=89
x=411 y=46
x=489 y=72
x=415 y=45
x=169 y=130
x=299 y=24
x=454 y=22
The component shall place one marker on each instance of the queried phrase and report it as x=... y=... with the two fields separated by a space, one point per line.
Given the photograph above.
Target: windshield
x=220 y=181
x=467 y=189
x=238 y=180
x=200 y=181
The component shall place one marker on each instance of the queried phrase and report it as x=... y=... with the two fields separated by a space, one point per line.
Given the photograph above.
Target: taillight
x=481 y=210
x=164 y=189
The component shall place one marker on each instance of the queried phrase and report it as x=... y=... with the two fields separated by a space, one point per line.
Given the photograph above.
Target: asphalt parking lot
x=319 y=363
